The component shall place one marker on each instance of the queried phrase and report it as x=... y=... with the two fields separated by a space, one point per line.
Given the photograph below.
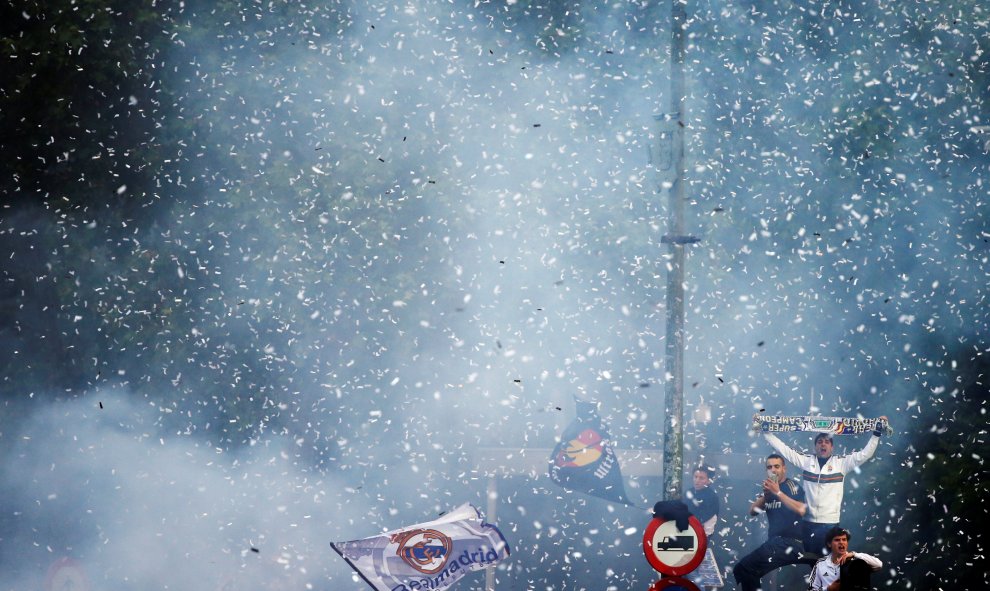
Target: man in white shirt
x=827 y=572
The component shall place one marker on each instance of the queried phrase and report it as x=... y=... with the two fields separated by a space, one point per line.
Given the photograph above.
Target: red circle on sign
x=678 y=569
x=675 y=582
x=65 y=573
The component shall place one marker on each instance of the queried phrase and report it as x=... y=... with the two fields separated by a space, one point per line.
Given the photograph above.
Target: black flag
x=584 y=460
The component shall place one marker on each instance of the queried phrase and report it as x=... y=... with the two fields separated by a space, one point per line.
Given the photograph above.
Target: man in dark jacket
x=783 y=501
x=702 y=501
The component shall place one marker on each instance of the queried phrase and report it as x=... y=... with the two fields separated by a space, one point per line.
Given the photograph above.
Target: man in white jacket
x=822 y=478
x=833 y=572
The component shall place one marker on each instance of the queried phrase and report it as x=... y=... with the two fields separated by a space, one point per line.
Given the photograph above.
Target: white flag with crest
x=431 y=555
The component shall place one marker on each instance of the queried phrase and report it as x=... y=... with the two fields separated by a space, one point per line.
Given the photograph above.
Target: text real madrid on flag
x=430 y=555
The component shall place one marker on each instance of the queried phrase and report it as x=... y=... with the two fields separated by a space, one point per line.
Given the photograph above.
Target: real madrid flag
x=584 y=460
x=430 y=555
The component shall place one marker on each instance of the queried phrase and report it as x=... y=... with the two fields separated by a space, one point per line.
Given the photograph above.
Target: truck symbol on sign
x=685 y=543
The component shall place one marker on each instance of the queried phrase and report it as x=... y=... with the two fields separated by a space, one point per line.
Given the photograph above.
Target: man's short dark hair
x=836 y=532
x=707 y=470
x=777 y=457
x=823 y=436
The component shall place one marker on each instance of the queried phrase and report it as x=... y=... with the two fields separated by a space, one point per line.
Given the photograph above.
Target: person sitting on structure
x=843 y=570
x=783 y=501
x=702 y=501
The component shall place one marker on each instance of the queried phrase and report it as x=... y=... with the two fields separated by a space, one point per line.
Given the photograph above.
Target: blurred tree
x=78 y=98
x=938 y=498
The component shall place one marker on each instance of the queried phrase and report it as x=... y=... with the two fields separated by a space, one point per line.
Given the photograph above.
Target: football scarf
x=830 y=425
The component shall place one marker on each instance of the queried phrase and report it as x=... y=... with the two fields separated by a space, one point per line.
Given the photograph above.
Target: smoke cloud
x=420 y=229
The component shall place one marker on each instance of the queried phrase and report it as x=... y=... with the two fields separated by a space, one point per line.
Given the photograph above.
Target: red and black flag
x=584 y=460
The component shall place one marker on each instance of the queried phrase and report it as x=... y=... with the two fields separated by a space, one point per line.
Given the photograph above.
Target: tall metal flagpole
x=670 y=165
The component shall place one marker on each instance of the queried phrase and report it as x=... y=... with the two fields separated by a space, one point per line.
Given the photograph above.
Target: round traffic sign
x=674 y=552
x=65 y=574
x=673 y=584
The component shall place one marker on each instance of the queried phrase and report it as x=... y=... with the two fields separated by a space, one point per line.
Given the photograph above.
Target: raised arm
x=851 y=461
x=856 y=458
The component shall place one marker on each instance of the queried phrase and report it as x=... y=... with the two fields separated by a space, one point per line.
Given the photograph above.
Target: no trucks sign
x=673 y=552
x=65 y=574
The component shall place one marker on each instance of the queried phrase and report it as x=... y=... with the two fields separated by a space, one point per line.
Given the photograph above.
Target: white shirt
x=825 y=571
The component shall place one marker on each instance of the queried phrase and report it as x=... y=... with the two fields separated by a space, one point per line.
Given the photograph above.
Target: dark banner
x=584 y=460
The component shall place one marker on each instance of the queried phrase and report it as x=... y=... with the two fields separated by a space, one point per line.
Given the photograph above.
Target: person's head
x=837 y=541
x=776 y=465
x=703 y=476
x=823 y=446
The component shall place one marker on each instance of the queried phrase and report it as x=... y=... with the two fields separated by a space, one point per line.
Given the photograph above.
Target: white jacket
x=825 y=571
x=823 y=485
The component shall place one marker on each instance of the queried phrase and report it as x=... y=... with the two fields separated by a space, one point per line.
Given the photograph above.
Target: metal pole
x=491 y=517
x=673 y=438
